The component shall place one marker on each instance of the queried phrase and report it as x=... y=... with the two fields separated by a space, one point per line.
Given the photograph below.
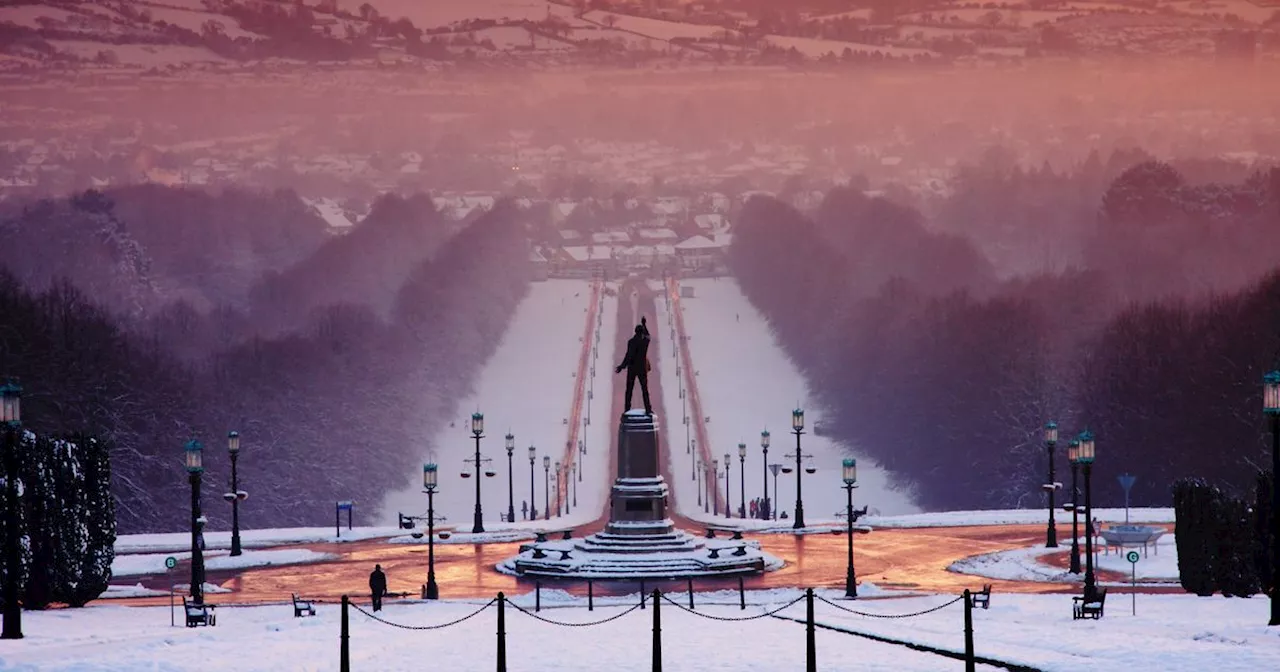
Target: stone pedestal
x=640 y=541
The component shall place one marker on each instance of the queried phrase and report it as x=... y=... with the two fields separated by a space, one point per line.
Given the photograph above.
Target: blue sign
x=345 y=505
x=1126 y=482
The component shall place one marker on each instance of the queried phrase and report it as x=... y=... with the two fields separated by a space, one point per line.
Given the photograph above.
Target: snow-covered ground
x=153 y=563
x=1169 y=633
x=1158 y=566
x=174 y=543
x=527 y=388
x=747 y=384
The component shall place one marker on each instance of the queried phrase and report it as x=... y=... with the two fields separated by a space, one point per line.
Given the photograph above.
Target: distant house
x=700 y=252
x=611 y=238
x=332 y=214
x=657 y=235
x=585 y=260
x=710 y=223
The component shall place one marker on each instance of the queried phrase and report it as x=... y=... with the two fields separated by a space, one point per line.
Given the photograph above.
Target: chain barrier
x=912 y=615
x=732 y=619
x=424 y=627
x=571 y=625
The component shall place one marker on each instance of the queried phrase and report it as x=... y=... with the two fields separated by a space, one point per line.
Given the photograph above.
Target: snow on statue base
x=640 y=541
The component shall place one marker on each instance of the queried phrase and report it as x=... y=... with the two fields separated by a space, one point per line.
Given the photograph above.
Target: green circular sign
x=170 y=562
x=1131 y=556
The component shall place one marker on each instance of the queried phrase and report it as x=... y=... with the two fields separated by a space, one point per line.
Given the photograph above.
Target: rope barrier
x=424 y=627
x=733 y=619
x=572 y=625
x=912 y=615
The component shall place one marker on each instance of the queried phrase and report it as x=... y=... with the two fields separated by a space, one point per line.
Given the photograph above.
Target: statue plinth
x=640 y=541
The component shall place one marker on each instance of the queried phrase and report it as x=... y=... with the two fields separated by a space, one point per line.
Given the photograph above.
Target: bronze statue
x=636 y=362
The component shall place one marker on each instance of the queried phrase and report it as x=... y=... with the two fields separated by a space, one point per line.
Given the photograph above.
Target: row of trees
x=65 y=518
x=362 y=347
x=944 y=373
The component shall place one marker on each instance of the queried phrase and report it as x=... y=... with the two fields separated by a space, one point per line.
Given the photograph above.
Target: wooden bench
x=1092 y=609
x=302 y=607
x=982 y=598
x=199 y=613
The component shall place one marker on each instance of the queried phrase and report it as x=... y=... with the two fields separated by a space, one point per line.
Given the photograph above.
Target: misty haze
x=916 y=297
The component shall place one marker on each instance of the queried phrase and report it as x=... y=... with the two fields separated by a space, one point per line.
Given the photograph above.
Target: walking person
x=524 y=510
x=377 y=586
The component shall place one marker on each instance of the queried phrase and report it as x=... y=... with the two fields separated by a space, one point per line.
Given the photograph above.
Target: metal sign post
x=346 y=505
x=1126 y=482
x=1132 y=557
x=169 y=563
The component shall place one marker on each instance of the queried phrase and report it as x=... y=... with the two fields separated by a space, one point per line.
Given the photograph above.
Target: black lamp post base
x=851 y=586
x=431 y=591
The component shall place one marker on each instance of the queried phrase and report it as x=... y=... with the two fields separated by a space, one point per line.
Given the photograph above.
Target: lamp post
x=576 y=471
x=582 y=455
x=559 y=505
x=697 y=476
x=1073 y=456
x=11 y=418
x=511 y=488
x=533 y=503
x=693 y=460
x=774 y=469
x=742 y=480
x=764 y=473
x=1085 y=455
x=430 y=478
x=728 y=505
x=850 y=474
x=195 y=467
x=546 y=487
x=236 y=495
x=797 y=426
x=712 y=486
x=1050 y=440
x=1271 y=406
x=477 y=431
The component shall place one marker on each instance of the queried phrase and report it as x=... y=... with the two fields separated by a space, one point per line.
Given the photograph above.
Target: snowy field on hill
x=527 y=388
x=1169 y=633
x=746 y=384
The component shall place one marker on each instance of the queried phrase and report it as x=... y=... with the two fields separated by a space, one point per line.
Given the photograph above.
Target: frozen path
x=746 y=384
x=528 y=388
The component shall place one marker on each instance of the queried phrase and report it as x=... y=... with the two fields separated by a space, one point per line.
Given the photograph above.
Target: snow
x=102 y=638
x=817 y=48
x=527 y=387
x=1170 y=633
x=731 y=356
x=656 y=28
x=177 y=542
x=139 y=55
x=1159 y=566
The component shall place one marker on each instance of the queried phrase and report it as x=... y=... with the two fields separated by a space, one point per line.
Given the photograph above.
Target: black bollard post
x=742 y=594
x=969 y=664
x=537 y=596
x=657 y=632
x=690 y=593
x=591 y=597
x=811 y=648
x=642 y=593
x=344 y=648
x=502 y=633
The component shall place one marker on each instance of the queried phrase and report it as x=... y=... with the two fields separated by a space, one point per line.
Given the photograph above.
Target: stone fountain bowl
x=1132 y=535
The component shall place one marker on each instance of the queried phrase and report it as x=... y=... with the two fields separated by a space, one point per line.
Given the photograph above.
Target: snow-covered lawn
x=269 y=638
x=176 y=542
x=1158 y=567
x=746 y=384
x=527 y=387
x=153 y=563
x=1169 y=633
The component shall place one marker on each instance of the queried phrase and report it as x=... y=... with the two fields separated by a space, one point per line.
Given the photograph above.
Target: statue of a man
x=636 y=362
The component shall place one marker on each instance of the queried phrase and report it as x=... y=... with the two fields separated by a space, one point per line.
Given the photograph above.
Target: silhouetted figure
x=524 y=510
x=636 y=362
x=377 y=586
